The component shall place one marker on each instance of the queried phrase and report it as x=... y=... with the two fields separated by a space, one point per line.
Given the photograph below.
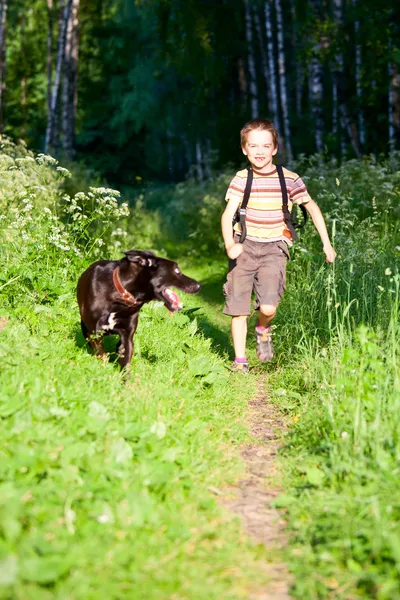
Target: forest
x=158 y=89
x=120 y=129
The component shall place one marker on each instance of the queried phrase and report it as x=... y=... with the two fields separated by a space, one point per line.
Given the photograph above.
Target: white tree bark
x=199 y=161
x=251 y=61
x=338 y=17
x=273 y=107
x=70 y=88
x=57 y=79
x=299 y=77
x=359 y=90
x=316 y=94
x=49 y=51
x=282 y=81
x=263 y=55
x=3 y=21
x=393 y=104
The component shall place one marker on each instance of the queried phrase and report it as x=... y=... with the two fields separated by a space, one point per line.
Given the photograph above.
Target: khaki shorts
x=262 y=267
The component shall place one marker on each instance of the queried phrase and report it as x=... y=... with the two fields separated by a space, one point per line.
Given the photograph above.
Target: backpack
x=240 y=216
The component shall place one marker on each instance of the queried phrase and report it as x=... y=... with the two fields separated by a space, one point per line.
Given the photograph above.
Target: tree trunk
x=316 y=90
x=199 y=161
x=263 y=55
x=282 y=81
x=49 y=51
x=70 y=95
x=299 y=77
x=340 y=83
x=273 y=107
x=242 y=79
x=394 y=106
x=52 y=114
x=251 y=61
x=3 y=21
x=359 y=89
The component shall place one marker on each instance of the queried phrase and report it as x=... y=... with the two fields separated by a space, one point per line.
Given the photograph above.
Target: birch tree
x=251 y=61
x=271 y=66
x=3 y=21
x=49 y=51
x=315 y=79
x=393 y=103
x=70 y=89
x=263 y=55
x=359 y=90
x=282 y=80
x=340 y=83
x=316 y=92
x=51 y=118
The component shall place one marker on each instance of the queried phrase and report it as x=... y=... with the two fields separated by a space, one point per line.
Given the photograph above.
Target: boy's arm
x=319 y=222
x=233 y=249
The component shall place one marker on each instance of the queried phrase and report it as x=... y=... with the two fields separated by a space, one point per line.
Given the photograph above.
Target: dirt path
x=253 y=495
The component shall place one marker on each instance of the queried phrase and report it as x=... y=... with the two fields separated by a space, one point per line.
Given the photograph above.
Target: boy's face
x=260 y=150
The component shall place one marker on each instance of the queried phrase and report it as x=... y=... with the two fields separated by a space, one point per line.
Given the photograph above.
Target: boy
x=260 y=262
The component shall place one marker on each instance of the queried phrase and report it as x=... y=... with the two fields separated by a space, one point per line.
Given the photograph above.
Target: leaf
x=121 y=451
x=159 y=429
x=11 y=406
x=8 y=570
x=283 y=501
x=192 y=329
x=98 y=411
x=181 y=319
x=199 y=366
x=190 y=311
x=315 y=476
x=44 y=570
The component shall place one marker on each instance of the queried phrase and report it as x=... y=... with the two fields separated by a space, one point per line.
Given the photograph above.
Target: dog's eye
x=177 y=270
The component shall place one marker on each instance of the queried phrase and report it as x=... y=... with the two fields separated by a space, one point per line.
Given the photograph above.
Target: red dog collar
x=126 y=297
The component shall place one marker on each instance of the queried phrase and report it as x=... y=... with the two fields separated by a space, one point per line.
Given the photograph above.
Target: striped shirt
x=264 y=215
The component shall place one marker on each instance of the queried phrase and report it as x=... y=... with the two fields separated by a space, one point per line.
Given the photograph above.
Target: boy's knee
x=268 y=310
x=240 y=318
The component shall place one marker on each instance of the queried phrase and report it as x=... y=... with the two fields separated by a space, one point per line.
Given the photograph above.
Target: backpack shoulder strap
x=243 y=206
x=247 y=189
x=285 y=208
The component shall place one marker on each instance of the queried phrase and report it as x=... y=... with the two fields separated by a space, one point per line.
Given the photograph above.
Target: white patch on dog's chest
x=111 y=321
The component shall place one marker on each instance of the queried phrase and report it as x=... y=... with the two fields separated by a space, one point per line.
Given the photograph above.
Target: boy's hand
x=235 y=251
x=330 y=253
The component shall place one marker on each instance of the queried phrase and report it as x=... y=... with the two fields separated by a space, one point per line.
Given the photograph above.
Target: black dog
x=112 y=292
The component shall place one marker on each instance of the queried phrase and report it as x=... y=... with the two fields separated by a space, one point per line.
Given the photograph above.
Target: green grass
x=109 y=487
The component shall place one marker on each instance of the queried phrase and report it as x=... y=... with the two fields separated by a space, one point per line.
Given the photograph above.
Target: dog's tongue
x=173 y=299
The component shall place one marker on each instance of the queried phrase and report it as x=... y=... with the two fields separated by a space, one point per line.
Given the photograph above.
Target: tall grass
x=336 y=374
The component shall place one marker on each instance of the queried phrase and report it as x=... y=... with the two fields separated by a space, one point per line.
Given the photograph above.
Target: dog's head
x=161 y=275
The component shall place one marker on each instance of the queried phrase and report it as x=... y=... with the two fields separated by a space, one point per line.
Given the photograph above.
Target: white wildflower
x=103 y=518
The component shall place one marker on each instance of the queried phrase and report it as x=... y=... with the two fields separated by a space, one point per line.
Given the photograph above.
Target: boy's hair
x=260 y=125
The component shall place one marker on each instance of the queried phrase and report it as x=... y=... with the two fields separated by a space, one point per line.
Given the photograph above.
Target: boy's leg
x=266 y=314
x=239 y=334
x=237 y=290
x=270 y=284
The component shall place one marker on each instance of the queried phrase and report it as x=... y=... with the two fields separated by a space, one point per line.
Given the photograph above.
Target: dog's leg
x=85 y=330
x=126 y=343
x=94 y=340
x=96 y=343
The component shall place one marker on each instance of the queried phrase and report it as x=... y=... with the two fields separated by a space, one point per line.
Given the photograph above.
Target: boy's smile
x=260 y=150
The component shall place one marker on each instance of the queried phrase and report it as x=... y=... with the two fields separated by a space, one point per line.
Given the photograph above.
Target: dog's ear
x=145 y=258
